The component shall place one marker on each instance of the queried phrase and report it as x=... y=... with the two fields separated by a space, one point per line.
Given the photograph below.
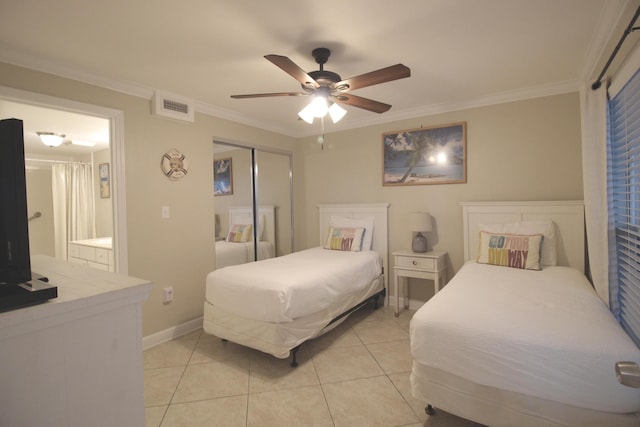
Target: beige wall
x=527 y=150
x=178 y=251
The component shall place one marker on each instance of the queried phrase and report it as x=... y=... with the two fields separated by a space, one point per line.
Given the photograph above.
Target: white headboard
x=567 y=216
x=244 y=215
x=379 y=212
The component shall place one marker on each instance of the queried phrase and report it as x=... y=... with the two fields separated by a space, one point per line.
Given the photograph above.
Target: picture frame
x=105 y=180
x=423 y=156
x=223 y=177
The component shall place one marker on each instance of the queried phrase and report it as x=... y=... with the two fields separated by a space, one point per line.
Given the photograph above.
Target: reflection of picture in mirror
x=222 y=177
x=105 y=180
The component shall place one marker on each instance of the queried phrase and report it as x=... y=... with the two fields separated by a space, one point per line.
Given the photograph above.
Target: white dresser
x=75 y=360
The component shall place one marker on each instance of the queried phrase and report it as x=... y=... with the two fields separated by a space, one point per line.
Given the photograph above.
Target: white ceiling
x=462 y=53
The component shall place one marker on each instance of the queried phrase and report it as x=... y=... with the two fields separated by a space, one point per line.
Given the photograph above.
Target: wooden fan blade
x=360 y=102
x=265 y=95
x=290 y=67
x=382 y=75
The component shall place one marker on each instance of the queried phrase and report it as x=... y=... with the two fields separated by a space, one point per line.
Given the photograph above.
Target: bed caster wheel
x=429 y=410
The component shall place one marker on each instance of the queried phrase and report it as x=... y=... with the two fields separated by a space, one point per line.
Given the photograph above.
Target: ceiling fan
x=329 y=86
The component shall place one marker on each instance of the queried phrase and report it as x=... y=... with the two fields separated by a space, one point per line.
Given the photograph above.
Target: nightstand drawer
x=415 y=262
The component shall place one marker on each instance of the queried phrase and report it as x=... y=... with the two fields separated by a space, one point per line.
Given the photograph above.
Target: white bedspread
x=541 y=333
x=284 y=288
x=232 y=253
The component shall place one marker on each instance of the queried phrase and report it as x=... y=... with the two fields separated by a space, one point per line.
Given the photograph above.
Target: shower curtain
x=73 y=204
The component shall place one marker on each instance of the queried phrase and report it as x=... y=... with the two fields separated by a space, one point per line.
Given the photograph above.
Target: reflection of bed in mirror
x=233 y=253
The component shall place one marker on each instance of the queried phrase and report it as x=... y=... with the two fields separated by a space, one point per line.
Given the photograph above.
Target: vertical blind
x=624 y=152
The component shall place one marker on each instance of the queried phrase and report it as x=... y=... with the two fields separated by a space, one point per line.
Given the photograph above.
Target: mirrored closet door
x=253 y=204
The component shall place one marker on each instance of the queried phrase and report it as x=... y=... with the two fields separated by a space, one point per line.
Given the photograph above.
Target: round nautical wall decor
x=174 y=164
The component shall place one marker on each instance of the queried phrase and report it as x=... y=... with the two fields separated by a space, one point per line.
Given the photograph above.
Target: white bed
x=275 y=305
x=509 y=347
x=234 y=253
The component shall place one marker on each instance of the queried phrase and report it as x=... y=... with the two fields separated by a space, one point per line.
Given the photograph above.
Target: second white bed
x=543 y=334
x=508 y=347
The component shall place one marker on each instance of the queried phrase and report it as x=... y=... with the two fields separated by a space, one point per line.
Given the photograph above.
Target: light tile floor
x=356 y=375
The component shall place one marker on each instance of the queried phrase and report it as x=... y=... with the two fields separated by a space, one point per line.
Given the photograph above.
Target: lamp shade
x=336 y=112
x=420 y=221
x=306 y=114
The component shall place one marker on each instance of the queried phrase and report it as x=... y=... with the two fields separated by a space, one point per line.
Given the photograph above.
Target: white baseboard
x=172 y=333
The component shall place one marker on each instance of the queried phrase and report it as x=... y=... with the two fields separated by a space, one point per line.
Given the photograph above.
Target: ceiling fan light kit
x=317 y=108
x=328 y=89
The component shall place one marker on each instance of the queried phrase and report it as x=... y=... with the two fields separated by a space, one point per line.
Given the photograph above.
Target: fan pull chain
x=321 y=136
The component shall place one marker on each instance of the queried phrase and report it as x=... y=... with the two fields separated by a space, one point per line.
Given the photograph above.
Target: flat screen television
x=15 y=264
x=17 y=289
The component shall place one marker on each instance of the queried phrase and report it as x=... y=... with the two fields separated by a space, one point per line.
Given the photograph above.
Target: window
x=624 y=163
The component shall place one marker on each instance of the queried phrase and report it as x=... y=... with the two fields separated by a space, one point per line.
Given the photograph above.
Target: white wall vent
x=174 y=107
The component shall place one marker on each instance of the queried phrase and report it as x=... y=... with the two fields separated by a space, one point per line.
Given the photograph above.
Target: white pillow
x=366 y=223
x=546 y=228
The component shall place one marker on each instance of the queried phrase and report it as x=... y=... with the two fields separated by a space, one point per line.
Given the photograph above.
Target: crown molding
x=559 y=88
x=146 y=92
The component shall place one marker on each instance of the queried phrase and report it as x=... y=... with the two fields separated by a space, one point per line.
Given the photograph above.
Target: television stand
x=35 y=291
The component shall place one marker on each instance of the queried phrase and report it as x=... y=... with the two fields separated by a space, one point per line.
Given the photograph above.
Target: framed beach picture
x=434 y=155
x=105 y=180
x=222 y=177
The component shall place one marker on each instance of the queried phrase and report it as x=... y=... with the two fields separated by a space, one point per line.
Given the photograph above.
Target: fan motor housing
x=324 y=77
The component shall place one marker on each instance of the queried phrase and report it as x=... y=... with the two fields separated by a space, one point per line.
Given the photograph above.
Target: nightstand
x=427 y=265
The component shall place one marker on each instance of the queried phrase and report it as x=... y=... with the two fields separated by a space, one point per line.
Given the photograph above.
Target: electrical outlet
x=167 y=294
x=165 y=212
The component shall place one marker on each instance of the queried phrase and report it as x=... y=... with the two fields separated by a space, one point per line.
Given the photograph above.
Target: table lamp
x=420 y=222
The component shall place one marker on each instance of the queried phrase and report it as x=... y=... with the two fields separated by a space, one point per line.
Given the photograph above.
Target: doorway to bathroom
x=74 y=187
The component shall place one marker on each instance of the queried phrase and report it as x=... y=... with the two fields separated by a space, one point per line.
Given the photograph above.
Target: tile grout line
x=324 y=395
x=180 y=380
x=252 y=367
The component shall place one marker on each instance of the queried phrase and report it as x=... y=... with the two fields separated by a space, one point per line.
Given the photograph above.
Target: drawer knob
x=415 y=262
